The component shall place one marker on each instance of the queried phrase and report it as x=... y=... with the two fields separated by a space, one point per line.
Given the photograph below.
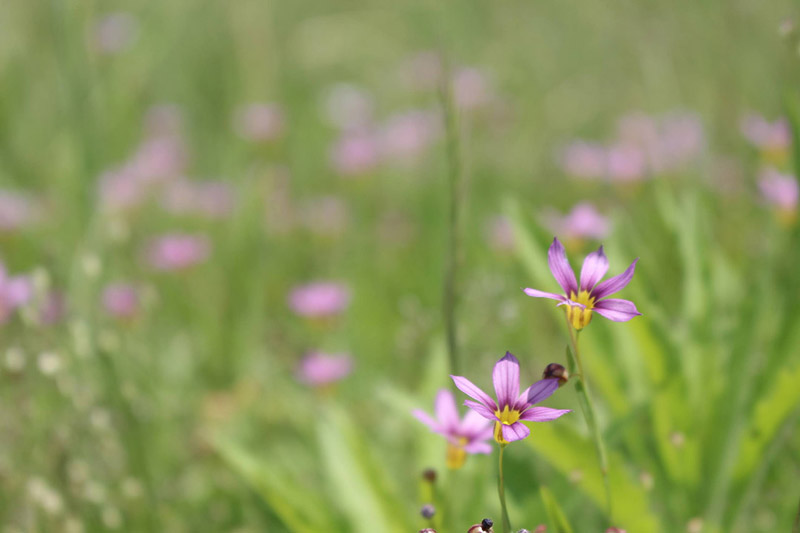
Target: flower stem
x=587 y=408
x=501 y=492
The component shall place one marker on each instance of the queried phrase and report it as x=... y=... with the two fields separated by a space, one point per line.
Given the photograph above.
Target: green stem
x=587 y=408
x=501 y=492
x=796 y=525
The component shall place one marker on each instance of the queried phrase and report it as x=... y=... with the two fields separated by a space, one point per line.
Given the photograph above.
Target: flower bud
x=427 y=511
x=429 y=475
x=486 y=524
x=427 y=530
x=556 y=371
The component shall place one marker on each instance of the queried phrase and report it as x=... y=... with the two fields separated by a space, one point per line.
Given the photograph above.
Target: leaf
x=554 y=512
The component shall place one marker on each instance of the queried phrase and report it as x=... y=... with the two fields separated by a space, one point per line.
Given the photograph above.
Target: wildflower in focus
x=780 y=191
x=121 y=300
x=177 y=251
x=511 y=408
x=588 y=296
x=259 y=122
x=319 y=299
x=14 y=292
x=318 y=369
x=463 y=436
x=582 y=222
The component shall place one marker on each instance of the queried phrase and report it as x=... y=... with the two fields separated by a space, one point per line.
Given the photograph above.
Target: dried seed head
x=427 y=511
x=429 y=475
x=554 y=370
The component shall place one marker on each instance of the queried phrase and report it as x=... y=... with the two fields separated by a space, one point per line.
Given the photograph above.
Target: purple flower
x=511 y=407
x=121 y=300
x=16 y=210
x=780 y=190
x=356 y=153
x=471 y=89
x=115 y=32
x=583 y=221
x=766 y=135
x=320 y=299
x=463 y=436
x=588 y=296
x=318 y=369
x=259 y=122
x=626 y=163
x=14 y=292
x=177 y=251
x=406 y=136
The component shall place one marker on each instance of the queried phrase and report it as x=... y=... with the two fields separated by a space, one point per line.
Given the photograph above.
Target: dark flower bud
x=486 y=524
x=427 y=511
x=429 y=475
x=556 y=371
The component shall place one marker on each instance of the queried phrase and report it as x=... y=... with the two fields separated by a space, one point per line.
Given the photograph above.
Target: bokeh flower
x=775 y=136
x=210 y=199
x=14 y=292
x=355 y=153
x=464 y=436
x=259 y=122
x=581 y=300
x=511 y=407
x=177 y=251
x=780 y=191
x=115 y=32
x=319 y=299
x=583 y=221
x=121 y=300
x=318 y=369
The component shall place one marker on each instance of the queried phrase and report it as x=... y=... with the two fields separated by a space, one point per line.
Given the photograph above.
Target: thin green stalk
x=587 y=408
x=501 y=492
x=454 y=197
x=796 y=525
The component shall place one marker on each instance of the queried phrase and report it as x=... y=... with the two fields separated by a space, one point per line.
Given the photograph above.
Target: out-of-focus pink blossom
x=318 y=369
x=211 y=199
x=766 y=135
x=471 y=89
x=14 y=292
x=779 y=190
x=319 y=299
x=259 y=122
x=423 y=71
x=326 y=215
x=163 y=120
x=121 y=300
x=159 y=159
x=582 y=222
x=348 y=107
x=584 y=160
x=625 y=163
x=115 y=32
x=53 y=308
x=16 y=210
x=177 y=251
x=355 y=153
x=406 y=136
x=500 y=233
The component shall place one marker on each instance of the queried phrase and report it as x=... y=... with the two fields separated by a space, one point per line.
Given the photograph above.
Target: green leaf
x=554 y=512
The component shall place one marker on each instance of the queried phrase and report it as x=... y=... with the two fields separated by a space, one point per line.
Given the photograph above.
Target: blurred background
x=225 y=235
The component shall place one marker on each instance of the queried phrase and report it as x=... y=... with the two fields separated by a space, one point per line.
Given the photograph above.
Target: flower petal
x=479 y=446
x=506 y=380
x=617 y=283
x=446 y=410
x=541 y=294
x=542 y=414
x=616 y=309
x=475 y=424
x=516 y=431
x=426 y=419
x=480 y=409
x=559 y=266
x=537 y=392
x=471 y=390
x=594 y=268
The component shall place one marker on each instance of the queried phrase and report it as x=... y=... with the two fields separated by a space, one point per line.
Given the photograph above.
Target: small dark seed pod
x=556 y=371
x=486 y=524
x=429 y=475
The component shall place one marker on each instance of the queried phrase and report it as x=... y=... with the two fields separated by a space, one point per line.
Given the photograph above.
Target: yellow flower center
x=506 y=417
x=580 y=317
x=456 y=455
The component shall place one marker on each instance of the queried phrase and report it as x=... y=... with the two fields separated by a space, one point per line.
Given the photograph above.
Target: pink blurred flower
x=500 y=233
x=177 y=251
x=406 y=136
x=348 y=107
x=16 y=210
x=471 y=89
x=159 y=158
x=211 y=199
x=14 y=292
x=163 y=120
x=259 y=122
x=115 y=32
x=584 y=160
x=764 y=134
x=319 y=299
x=317 y=369
x=121 y=300
x=53 y=308
x=423 y=71
x=582 y=222
x=779 y=190
x=355 y=153
x=625 y=163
